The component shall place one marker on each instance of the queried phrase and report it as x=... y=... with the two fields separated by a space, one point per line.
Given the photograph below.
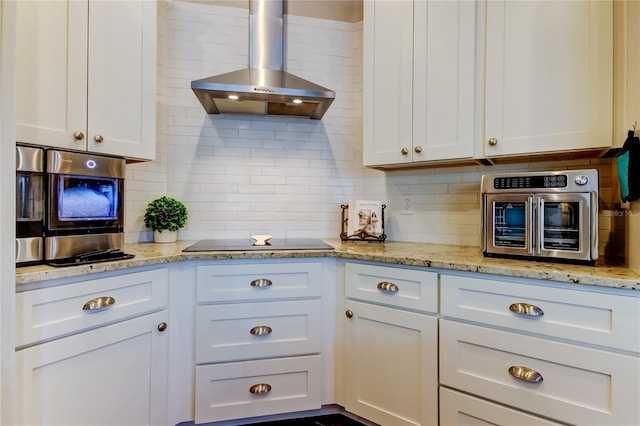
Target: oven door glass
x=563 y=225
x=508 y=227
x=85 y=202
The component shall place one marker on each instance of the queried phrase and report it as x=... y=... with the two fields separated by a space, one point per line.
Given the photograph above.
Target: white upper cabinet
x=627 y=64
x=86 y=76
x=549 y=76
x=418 y=92
x=458 y=81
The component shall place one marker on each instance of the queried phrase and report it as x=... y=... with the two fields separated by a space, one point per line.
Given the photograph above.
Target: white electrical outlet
x=407 y=205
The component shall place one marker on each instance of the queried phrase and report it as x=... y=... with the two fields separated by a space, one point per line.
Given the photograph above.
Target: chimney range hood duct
x=263 y=88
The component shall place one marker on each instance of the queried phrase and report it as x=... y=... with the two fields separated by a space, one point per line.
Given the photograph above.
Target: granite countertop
x=455 y=258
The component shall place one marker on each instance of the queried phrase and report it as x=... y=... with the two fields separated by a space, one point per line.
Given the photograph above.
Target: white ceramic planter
x=165 y=236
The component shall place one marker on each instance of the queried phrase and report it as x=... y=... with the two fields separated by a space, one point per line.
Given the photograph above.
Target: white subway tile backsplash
x=241 y=174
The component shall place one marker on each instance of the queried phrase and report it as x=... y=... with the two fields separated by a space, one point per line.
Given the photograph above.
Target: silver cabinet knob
x=98 y=138
x=417 y=149
x=493 y=141
x=404 y=151
x=162 y=326
x=78 y=135
x=349 y=313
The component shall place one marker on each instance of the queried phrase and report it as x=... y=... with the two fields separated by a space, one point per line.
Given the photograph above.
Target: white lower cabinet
x=546 y=350
x=102 y=366
x=570 y=383
x=391 y=365
x=113 y=375
x=258 y=339
x=391 y=359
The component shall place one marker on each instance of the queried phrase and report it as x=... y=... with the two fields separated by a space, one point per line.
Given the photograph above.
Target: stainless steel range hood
x=263 y=88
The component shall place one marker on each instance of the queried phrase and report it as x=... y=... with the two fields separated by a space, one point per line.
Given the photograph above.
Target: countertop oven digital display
x=550 y=215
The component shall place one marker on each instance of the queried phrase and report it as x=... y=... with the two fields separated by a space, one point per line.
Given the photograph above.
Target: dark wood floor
x=327 y=420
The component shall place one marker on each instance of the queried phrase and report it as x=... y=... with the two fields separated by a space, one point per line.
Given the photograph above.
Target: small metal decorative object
x=360 y=235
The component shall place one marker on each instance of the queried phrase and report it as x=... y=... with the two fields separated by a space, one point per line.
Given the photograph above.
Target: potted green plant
x=165 y=216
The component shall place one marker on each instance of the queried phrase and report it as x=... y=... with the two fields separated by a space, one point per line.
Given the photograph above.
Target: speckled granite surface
x=416 y=254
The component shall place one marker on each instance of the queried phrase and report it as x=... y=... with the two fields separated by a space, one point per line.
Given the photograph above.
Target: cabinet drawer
x=56 y=311
x=224 y=391
x=404 y=288
x=582 y=316
x=257 y=281
x=460 y=409
x=579 y=385
x=230 y=332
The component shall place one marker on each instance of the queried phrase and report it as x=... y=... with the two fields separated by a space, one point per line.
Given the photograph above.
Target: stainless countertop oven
x=546 y=215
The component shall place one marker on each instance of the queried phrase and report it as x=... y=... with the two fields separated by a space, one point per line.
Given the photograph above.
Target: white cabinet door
x=51 y=72
x=387 y=82
x=443 y=81
x=122 y=78
x=86 y=71
x=549 y=76
x=627 y=62
x=115 y=375
x=419 y=74
x=391 y=365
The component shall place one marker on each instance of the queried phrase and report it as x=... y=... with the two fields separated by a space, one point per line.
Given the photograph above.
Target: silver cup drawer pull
x=387 y=287
x=525 y=373
x=526 y=309
x=260 y=389
x=261 y=282
x=260 y=330
x=99 y=303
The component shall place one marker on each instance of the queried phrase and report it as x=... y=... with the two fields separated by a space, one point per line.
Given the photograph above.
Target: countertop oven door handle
x=593 y=209
x=99 y=303
x=531 y=223
x=539 y=232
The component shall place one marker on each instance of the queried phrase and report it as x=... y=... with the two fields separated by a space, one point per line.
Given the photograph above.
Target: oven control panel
x=546 y=181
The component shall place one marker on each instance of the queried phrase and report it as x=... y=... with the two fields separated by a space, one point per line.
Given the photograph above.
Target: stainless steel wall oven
x=546 y=215
x=85 y=211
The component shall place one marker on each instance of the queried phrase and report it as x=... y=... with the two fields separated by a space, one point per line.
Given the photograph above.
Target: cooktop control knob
x=581 y=180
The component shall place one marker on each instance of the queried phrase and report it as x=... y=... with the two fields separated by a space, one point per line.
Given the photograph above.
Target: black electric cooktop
x=248 y=245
